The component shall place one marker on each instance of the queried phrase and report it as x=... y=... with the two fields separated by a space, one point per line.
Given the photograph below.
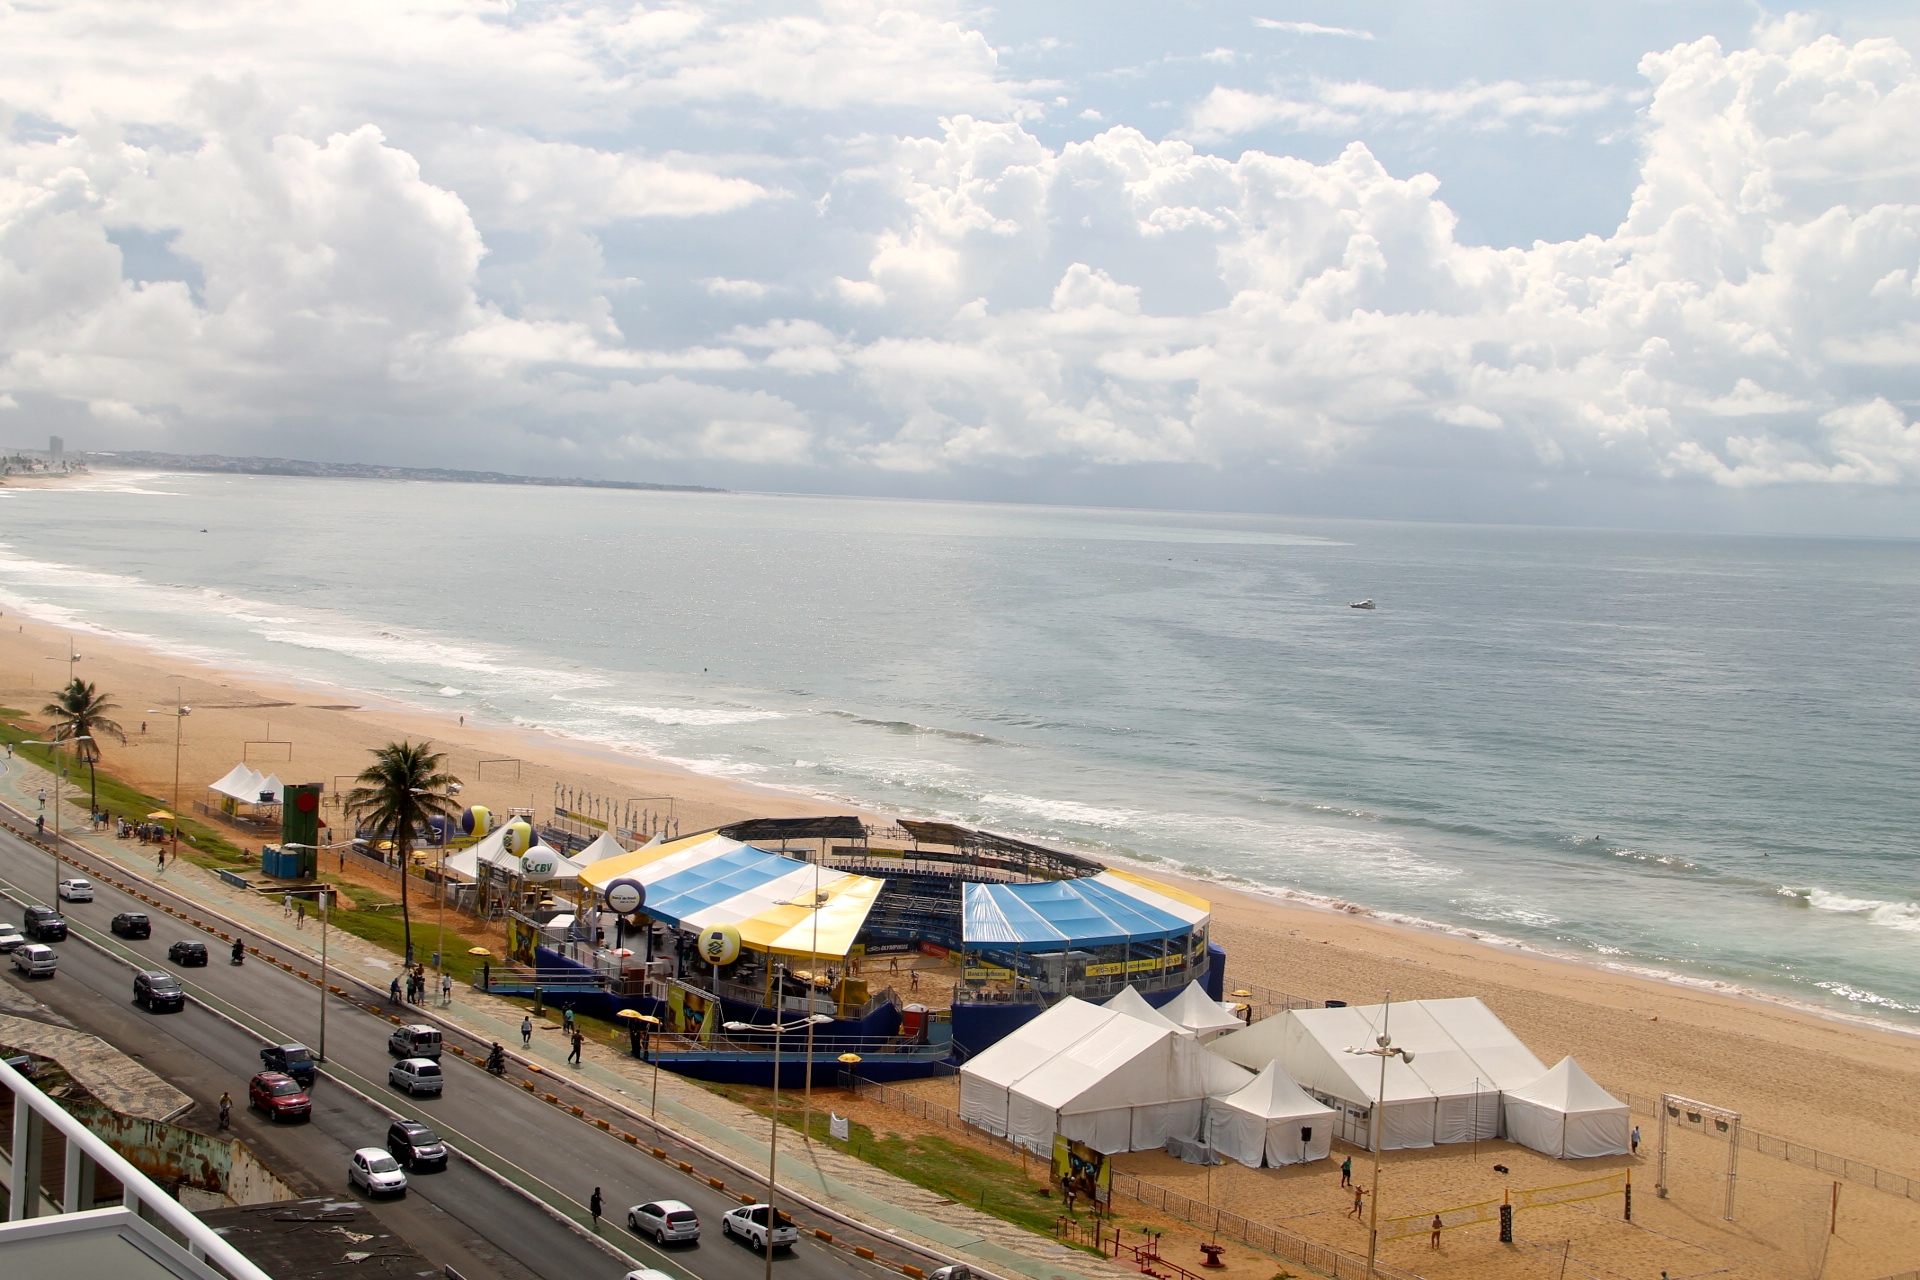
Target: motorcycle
x=497 y=1061
x=239 y=952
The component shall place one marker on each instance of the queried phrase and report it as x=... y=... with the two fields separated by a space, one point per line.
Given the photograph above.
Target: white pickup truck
x=749 y=1223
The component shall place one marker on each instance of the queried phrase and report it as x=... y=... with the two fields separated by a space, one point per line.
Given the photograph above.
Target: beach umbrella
x=161 y=815
x=850 y=1058
x=478 y=951
x=853 y=1068
x=1240 y=995
x=630 y=1013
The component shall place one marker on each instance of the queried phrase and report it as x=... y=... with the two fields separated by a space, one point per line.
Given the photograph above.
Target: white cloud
x=1312 y=29
x=1341 y=107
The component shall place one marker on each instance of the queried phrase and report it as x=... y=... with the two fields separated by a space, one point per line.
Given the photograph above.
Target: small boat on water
x=1361 y=604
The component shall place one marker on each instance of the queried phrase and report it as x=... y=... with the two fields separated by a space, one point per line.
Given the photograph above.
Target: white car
x=416 y=1076
x=36 y=960
x=749 y=1223
x=667 y=1221
x=648 y=1273
x=375 y=1170
x=10 y=937
x=76 y=890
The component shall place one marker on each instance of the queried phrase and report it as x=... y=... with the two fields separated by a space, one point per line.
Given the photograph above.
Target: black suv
x=159 y=992
x=294 y=1060
x=44 y=924
x=132 y=924
x=188 y=954
x=415 y=1146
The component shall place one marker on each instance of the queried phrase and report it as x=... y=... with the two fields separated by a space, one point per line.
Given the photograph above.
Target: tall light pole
x=179 y=713
x=773 y=1133
x=440 y=954
x=59 y=772
x=325 y=894
x=1382 y=1049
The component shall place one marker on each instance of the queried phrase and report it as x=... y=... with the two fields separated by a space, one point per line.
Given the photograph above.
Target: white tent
x=1565 y=1113
x=270 y=790
x=243 y=784
x=1126 y=1086
x=604 y=847
x=1200 y=1014
x=1466 y=1098
x=1271 y=1121
x=1311 y=1046
x=986 y=1077
x=1133 y=1004
x=489 y=850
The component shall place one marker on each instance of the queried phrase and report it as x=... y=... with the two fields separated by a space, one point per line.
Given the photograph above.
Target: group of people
x=415 y=991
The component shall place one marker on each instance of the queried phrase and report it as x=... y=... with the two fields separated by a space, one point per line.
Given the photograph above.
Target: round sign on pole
x=624 y=897
x=719 y=944
x=539 y=863
x=476 y=821
x=519 y=836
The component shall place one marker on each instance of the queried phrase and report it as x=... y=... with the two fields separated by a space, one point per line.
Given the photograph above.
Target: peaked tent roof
x=1323 y=1037
x=1096 y=911
x=602 y=848
x=1568 y=1088
x=1501 y=1055
x=240 y=783
x=1134 y=1005
x=1022 y=1050
x=269 y=786
x=1272 y=1095
x=1194 y=1010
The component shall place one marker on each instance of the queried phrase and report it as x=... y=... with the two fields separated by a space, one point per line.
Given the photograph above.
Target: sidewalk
x=821 y=1172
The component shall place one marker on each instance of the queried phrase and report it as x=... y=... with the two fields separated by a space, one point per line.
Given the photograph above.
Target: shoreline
x=1635 y=1031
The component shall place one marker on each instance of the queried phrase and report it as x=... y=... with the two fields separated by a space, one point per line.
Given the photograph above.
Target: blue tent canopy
x=1063 y=914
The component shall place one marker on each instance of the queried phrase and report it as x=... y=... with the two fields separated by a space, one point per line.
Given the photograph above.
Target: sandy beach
x=1828 y=1083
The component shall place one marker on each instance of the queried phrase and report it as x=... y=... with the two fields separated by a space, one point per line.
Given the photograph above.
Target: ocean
x=1683 y=755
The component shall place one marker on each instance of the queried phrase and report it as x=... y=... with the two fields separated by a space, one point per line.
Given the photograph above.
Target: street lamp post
x=179 y=713
x=1382 y=1049
x=325 y=894
x=773 y=1133
x=59 y=772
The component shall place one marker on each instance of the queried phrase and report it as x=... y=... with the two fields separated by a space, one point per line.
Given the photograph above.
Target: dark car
x=188 y=955
x=44 y=924
x=280 y=1096
x=159 y=992
x=416 y=1146
x=132 y=924
x=294 y=1060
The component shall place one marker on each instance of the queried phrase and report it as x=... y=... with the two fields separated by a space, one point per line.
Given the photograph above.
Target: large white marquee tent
x=1566 y=1113
x=1106 y=1077
x=1270 y=1121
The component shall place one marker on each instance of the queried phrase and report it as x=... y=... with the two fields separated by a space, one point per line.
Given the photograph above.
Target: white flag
x=837 y=1127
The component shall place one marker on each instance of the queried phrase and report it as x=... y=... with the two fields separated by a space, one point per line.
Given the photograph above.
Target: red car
x=280 y=1096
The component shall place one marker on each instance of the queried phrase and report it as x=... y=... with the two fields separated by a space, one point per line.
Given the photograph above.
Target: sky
x=1646 y=261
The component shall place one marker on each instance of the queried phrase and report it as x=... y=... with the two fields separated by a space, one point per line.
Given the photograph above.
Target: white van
x=415 y=1040
x=36 y=960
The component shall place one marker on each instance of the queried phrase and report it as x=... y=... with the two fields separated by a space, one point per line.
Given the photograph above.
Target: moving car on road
x=280 y=1096
x=416 y=1146
x=36 y=960
x=132 y=924
x=75 y=889
x=749 y=1223
x=415 y=1040
x=667 y=1221
x=415 y=1076
x=295 y=1060
x=188 y=954
x=10 y=937
x=158 y=991
x=379 y=1173
x=44 y=924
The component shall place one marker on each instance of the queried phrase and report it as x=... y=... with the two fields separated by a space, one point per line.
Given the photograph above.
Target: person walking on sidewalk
x=226 y=1109
x=286 y=906
x=446 y=989
x=594 y=1205
x=300 y=914
x=393 y=992
x=578 y=1040
x=526 y=1032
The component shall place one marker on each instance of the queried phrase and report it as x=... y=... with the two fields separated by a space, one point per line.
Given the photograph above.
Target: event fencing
x=1766 y=1144
x=1285 y=1245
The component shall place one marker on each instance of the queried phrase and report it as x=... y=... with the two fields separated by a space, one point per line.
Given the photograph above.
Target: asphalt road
x=512 y=1132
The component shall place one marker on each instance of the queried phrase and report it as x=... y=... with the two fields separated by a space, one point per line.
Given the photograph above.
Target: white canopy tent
x=1565 y=1113
x=1133 y=1004
x=1271 y=1121
x=1200 y=1014
x=241 y=783
x=491 y=851
x=986 y=1077
x=1311 y=1046
x=603 y=847
x=1466 y=1098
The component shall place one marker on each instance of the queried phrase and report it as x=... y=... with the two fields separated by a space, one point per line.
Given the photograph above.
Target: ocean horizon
x=1679 y=755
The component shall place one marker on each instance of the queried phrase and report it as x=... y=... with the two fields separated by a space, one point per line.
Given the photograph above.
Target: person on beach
x=1359 y=1201
x=1633 y=1140
x=913 y=980
x=526 y=1032
x=226 y=1108
x=578 y=1040
x=1346 y=1172
x=1434 y=1241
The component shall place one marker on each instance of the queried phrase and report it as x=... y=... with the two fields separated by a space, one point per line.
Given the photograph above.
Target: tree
x=79 y=711
x=398 y=792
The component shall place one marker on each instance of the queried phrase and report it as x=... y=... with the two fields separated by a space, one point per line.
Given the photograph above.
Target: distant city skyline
x=1640 y=263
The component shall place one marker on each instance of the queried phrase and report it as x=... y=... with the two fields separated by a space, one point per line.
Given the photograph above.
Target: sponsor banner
x=886 y=948
x=987 y=973
x=935 y=950
x=1132 y=966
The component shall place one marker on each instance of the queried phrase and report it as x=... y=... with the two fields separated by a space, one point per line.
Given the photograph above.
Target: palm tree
x=399 y=791
x=79 y=711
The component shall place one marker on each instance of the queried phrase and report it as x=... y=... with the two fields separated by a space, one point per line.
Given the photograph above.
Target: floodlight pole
x=1382 y=1049
x=59 y=772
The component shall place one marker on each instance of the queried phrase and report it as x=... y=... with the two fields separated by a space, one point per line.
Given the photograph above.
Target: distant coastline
x=141 y=460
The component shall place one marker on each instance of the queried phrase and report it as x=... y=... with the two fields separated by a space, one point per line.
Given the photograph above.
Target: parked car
x=667 y=1221
x=415 y=1040
x=188 y=954
x=158 y=991
x=280 y=1096
x=23 y=1063
x=75 y=889
x=10 y=937
x=295 y=1060
x=379 y=1173
x=132 y=924
x=416 y=1146
x=36 y=960
x=415 y=1076
x=749 y=1223
x=44 y=924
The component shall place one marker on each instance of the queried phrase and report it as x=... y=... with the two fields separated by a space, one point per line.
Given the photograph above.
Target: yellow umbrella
x=1240 y=995
x=850 y=1058
x=478 y=951
x=161 y=815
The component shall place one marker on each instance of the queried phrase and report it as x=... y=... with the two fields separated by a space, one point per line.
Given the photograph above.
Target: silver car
x=36 y=960
x=667 y=1221
x=416 y=1076
x=373 y=1169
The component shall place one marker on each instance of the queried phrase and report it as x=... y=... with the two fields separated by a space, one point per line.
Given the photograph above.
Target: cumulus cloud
x=1347 y=106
